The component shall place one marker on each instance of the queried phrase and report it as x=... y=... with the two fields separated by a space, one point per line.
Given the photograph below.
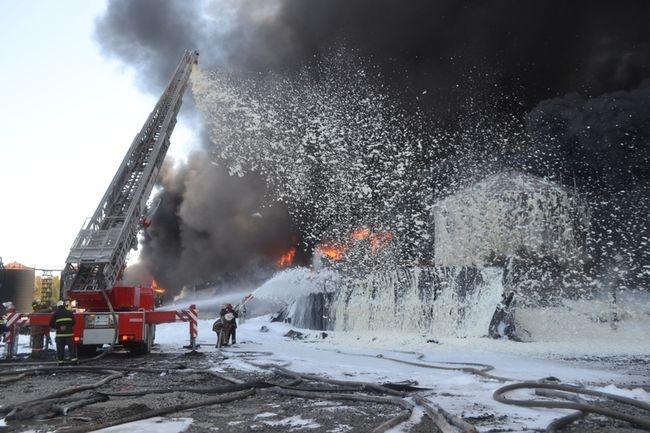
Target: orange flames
x=156 y=288
x=287 y=258
x=336 y=251
x=332 y=250
x=361 y=233
x=379 y=240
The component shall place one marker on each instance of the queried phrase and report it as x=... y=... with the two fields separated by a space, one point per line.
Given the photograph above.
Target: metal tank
x=17 y=286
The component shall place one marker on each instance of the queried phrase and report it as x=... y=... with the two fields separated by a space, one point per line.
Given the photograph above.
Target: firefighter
x=63 y=321
x=217 y=327
x=229 y=319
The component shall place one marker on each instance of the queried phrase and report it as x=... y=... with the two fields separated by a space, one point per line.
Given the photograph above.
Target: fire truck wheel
x=87 y=350
x=144 y=347
x=138 y=348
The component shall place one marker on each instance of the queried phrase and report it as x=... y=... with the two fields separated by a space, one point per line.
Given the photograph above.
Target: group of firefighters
x=63 y=322
x=226 y=326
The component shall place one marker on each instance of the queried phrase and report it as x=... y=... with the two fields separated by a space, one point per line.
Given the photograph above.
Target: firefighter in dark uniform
x=229 y=319
x=63 y=321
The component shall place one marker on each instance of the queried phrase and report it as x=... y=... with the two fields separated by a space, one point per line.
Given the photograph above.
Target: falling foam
x=438 y=302
x=342 y=155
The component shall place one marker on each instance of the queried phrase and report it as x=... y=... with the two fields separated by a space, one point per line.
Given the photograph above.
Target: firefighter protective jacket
x=63 y=321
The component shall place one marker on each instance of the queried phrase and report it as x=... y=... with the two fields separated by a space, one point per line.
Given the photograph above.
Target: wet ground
x=262 y=412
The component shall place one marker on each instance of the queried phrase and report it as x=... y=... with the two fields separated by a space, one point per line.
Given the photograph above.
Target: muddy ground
x=262 y=412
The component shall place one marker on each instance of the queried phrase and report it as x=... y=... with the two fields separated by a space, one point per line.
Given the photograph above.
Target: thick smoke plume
x=483 y=83
x=213 y=228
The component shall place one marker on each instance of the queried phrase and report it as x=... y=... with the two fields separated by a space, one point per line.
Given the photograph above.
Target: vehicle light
x=77 y=339
x=125 y=337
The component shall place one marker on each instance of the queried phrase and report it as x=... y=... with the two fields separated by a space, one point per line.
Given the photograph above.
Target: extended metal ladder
x=98 y=255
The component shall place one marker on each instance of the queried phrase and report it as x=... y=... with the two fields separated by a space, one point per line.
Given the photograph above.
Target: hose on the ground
x=643 y=422
x=112 y=375
x=225 y=398
x=438 y=415
x=581 y=406
x=474 y=368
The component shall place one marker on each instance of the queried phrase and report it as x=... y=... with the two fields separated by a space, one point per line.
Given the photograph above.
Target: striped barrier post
x=11 y=338
x=190 y=316
x=194 y=326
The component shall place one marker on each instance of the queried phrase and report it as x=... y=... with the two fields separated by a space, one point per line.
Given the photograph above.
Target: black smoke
x=449 y=59
x=211 y=227
x=601 y=147
x=534 y=50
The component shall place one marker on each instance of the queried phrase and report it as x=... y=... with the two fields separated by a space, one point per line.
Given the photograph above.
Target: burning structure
x=511 y=238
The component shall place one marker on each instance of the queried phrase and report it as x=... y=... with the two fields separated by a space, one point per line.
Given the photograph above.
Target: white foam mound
x=291 y=284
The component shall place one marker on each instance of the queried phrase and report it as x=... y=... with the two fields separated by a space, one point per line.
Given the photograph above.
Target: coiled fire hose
x=643 y=422
x=577 y=404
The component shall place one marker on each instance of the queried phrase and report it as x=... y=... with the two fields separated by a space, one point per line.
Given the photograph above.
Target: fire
x=379 y=240
x=361 y=233
x=336 y=251
x=156 y=288
x=287 y=258
x=332 y=251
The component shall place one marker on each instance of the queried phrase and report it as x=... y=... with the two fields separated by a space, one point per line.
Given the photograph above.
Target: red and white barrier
x=14 y=320
x=191 y=316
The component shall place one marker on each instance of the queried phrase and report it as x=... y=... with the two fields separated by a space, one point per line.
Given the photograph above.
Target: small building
x=510 y=214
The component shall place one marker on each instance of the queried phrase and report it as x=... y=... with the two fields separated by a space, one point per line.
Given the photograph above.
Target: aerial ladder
x=108 y=311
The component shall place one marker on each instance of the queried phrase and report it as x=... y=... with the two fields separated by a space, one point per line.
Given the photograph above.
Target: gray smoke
x=212 y=227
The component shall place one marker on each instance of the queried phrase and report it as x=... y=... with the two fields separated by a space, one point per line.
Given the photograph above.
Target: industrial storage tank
x=17 y=286
x=507 y=215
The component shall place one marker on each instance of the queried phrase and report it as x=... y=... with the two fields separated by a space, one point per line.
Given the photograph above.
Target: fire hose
x=643 y=422
x=566 y=394
x=581 y=406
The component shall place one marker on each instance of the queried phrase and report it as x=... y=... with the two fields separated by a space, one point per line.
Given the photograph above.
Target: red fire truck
x=109 y=312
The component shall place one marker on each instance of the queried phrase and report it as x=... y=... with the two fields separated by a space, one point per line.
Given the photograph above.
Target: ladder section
x=98 y=255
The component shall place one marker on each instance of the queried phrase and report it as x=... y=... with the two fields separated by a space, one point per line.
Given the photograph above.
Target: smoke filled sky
x=555 y=88
x=571 y=64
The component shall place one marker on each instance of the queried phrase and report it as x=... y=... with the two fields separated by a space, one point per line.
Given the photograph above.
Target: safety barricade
x=14 y=321
x=192 y=316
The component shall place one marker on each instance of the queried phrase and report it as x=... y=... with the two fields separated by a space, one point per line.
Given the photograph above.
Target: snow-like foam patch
x=152 y=425
x=295 y=422
x=635 y=393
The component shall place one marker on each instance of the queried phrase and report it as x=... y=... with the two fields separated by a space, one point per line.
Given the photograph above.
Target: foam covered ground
x=458 y=392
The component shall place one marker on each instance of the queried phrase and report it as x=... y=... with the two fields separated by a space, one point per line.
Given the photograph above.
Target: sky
x=67 y=117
